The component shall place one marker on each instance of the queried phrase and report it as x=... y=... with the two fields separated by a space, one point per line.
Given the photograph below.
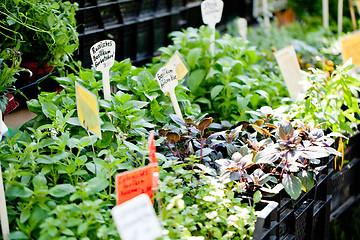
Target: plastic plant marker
x=3 y=210
x=88 y=110
x=242 y=25
x=133 y=183
x=211 y=12
x=290 y=69
x=352 y=14
x=325 y=11
x=136 y=219
x=180 y=66
x=340 y=16
x=167 y=79
x=103 y=56
x=3 y=127
x=265 y=6
x=152 y=149
x=351 y=47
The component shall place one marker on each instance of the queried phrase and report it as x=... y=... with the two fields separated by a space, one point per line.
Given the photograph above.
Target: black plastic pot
x=345 y=187
x=307 y=217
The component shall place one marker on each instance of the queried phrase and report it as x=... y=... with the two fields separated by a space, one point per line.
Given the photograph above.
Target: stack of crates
x=141 y=27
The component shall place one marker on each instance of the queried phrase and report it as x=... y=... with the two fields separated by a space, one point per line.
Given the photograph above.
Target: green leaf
x=108 y=126
x=61 y=190
x=49 y=109
x=195 y=79
x=17 y=235
x=216 y=90
x=96 y=185
x=39 y=182
x=257 y=196
x=18 y=191
x=292 y=185
x=307 y=179
x=242 y=102
x=25 y=214
x=82 y=228
x=131 y=146
x=193 y=57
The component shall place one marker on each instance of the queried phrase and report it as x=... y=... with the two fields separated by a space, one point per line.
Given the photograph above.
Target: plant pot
x=307 y=217
x=12 y=104
x=38 y=71
x=267 y=220
x=285 y=17
x=345 y=188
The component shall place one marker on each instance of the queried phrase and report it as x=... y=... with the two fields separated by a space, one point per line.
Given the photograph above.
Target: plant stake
x=340 y=16
x=290 y=69
x=265 y=6
x=325 y=7
x=242 y=27
x=103 y=57
x=168 y=80
x=211 y=11
x=3 y=214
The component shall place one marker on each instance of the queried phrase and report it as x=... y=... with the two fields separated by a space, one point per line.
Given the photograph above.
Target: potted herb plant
x=46 y=31
x=10 y=60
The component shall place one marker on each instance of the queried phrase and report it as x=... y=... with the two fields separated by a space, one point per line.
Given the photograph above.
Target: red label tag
x=133 y=183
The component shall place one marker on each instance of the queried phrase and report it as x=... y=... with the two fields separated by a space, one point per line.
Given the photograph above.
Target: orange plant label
x=133 y=183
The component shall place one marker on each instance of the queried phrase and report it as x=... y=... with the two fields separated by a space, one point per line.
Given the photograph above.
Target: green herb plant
x=230 y=82
x=46 y=29
x=200 y=207
x=55 y=171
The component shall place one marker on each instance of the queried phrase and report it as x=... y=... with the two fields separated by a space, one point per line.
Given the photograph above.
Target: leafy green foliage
x=229 y=83
x=10 y=60
x=201 y=206
x=46 y=29
x=55 y=171
x=330 y=101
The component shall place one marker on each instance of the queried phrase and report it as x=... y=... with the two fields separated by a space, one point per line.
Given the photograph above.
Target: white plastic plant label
x=3 y=127
x=290 y=69
x=103 y=57
x=211 y=11
x=136 y=219
x=167 y=79
x=242 y=25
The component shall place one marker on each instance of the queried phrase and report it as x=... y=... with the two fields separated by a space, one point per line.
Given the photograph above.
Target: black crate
x=147 y=9
x=321 y=219
x=162 y=26
x=129 y=10
x=162 y=6
x=103 y=2
x=110 y=15
x=86 y=3
x=88 y=19
x=86 y=41
x=128 y=42
x=345 y=187
x=266 y=226
x=143 y=25
x=144 y=41
x=303 y=220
